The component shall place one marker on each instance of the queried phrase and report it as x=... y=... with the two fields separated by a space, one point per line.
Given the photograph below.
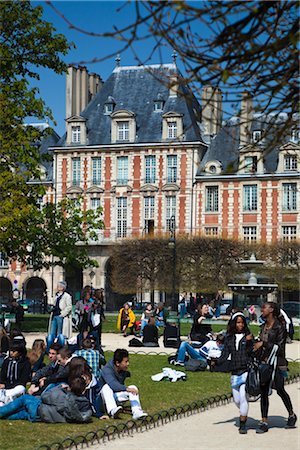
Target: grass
x=155 y=396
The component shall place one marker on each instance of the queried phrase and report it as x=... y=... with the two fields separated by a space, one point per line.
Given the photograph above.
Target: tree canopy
x=28 y=42
x=233 y=45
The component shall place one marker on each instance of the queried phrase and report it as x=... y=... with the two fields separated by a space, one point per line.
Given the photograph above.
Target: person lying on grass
x=113 y=389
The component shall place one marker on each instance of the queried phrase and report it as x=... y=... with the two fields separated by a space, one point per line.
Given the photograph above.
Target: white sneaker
x=139 y=414
x=115 y=412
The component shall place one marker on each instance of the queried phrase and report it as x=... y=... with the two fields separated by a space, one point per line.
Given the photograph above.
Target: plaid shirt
x=93 y=359
x=238 y=358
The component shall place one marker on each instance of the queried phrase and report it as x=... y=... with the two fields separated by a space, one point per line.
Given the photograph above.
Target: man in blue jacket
x=114 y=390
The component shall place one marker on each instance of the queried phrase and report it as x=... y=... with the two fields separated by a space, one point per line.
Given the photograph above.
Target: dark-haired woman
x=238 y=346
x=200 y=329
x=15 y=373
x=273 y=332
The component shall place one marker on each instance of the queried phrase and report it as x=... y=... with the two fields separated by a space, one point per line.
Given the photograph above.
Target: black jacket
x=238 y=358
x=276 y=335
x=15 y=372
x=200 y=330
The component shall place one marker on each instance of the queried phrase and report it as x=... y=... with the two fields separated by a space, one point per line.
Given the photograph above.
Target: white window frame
x=4 y=261
x=170 y=210
x=250 y=164
x=172 y=168
x=250 y=233
x=211 y=231
x=211 y=198
x=289 y=196
x=256 y=136
x=122 y=170
x=96 y=170
x=95 y=203
x=289 y=232
x=76 y=171
x=172 y=129
x=290 y=162
x=121 y=217
x=158 y=106
x=295 y=135
x=149 y=209
x=250 y=197
x=108 y=108
x=150 y=169
x=76 y=134
x=122 y=130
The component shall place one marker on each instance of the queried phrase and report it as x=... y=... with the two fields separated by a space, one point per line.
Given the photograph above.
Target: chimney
x=173 y=85
x=245 y=118
x=211 y=110
x=70 y=91
x=95 y=84
x=81 y=87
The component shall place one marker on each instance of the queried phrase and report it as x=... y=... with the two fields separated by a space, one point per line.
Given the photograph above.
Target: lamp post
x=172 y=246
x=92 y=276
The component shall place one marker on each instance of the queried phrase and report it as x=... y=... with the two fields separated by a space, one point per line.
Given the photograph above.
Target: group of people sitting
x=70 y=388
x=147 y=328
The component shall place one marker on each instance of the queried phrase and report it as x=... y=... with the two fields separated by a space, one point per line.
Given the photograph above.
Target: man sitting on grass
x=91 y=355
x=38 y=380
x=113 y=388
x=211 y=349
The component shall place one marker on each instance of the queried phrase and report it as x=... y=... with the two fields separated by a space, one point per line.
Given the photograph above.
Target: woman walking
x=273 y=333
x=238 y=345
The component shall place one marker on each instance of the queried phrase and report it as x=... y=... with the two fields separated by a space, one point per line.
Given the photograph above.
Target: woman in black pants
x=273 y=333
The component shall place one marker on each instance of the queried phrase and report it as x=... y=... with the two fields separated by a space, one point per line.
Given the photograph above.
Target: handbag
x=253 y=389
x=96 y=318
x=267 y=369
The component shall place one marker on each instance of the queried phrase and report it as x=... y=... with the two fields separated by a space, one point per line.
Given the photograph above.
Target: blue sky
x=94 y=16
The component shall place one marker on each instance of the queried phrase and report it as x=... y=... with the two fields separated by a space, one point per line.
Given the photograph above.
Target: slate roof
x=225 y=146
x=50 y=140
x=135 y=89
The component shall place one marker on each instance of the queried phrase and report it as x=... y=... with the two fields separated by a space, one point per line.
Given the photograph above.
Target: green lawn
x=155 y=396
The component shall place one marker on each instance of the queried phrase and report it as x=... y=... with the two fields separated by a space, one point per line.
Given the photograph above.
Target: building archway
x=113 y=300
x=5 y=290
x=35 y=292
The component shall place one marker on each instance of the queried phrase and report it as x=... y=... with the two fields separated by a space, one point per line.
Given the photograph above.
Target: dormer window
x=256 y=136
x=76 y=133
x=123 y=130
x=172 y=126
x=76 y=130
x=172 y=130
x=109 y=105
x=250 y=164
x=123 y=126
x=158 y=106
x=213 y=167
x=295 y=135
x=290 y=162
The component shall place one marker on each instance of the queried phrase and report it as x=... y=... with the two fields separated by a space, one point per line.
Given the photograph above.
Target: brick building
x=140 y=146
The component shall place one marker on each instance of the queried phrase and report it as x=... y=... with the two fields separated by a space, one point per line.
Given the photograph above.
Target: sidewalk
x=112 y=341
x=216 y=429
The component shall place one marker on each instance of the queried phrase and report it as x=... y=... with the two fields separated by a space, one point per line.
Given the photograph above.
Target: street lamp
x=92 y=276
x=172 y=246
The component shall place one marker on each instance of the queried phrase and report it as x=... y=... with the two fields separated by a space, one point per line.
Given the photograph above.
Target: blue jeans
x=56 y=331
x=184 y=348
x=24 y=407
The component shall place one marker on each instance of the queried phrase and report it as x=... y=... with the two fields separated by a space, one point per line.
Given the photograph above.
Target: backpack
x=195 y=365
x=171 y=336
x=134 y=342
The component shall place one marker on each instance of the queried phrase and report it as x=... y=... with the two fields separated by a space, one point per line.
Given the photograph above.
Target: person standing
x=238 y=345
x=97 y=316
x=273 y=332
x=60 y=324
